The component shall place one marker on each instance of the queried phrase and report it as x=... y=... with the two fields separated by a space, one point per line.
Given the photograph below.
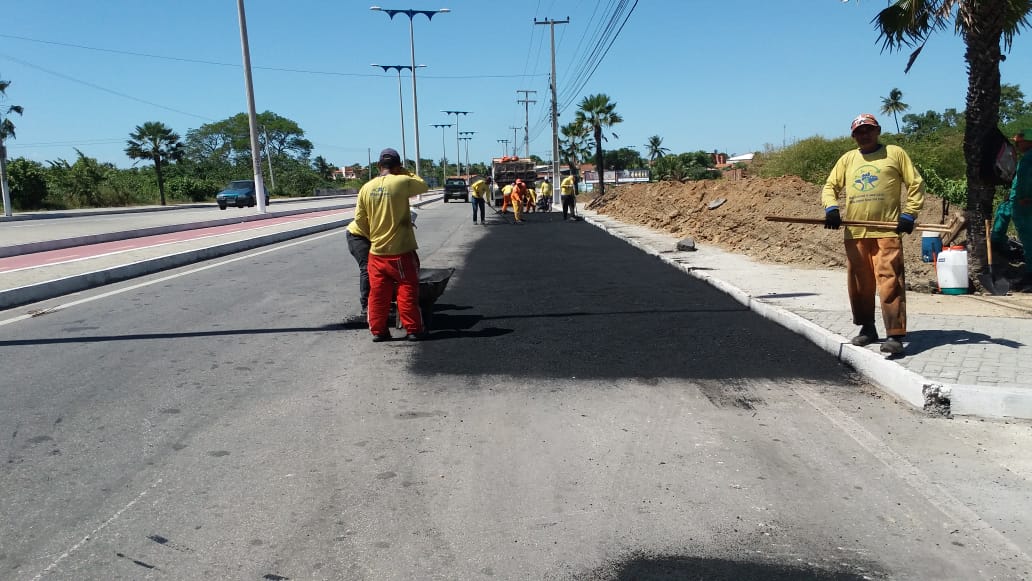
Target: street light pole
x=412 y=48
x=458 y=154
x=401 y=104
x=252 y=117
x=505 y=146
x=444 y=152
x=468 y=135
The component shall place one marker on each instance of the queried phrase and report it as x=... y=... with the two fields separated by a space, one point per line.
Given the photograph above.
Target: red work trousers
x=876 y=265
x=390 y=276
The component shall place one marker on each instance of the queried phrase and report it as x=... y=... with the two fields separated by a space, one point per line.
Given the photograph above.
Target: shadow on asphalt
x=575 y=301
x=671 y=568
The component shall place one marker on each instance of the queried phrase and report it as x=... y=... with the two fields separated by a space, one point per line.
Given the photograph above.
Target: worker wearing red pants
x=383 y=211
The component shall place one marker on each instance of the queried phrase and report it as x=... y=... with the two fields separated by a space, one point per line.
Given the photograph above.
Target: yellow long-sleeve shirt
x=872 y=184
x=382 y=210
x=479 y=189
x=566 y=186
x=545 y=190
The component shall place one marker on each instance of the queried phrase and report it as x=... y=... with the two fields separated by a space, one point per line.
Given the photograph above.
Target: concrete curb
x=894 y=379
x=57 y=214
x=55 y=288
x=47 y=245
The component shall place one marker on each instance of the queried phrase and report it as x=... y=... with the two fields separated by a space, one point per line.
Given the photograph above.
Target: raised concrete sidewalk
x=969 y=354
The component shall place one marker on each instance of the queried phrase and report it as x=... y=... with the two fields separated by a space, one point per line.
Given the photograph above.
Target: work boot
x=893 y=345
x=382 y=337
x=868 y=334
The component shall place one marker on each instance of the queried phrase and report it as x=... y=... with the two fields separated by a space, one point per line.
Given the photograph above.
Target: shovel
x=997 y=287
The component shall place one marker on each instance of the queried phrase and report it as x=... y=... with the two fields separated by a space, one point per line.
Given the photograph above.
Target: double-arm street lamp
x=412 y=48
x=401 y=105
x=467 y=136
x=444 y=152
x=458 y=154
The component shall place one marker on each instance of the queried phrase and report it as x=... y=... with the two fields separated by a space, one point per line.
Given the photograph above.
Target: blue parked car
x=239 y=193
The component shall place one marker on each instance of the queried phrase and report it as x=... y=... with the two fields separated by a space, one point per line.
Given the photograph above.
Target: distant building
x=344 y=173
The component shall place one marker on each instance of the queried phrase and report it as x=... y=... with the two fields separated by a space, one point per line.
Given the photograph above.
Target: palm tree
x=894 y=104
x=575 y=145
x=6 y=131
x=598 y=112
x=655 y=148
x=156 y=142
x=988 y=27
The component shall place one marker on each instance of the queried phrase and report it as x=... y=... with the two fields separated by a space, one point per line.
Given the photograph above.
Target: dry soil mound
x=738 y=223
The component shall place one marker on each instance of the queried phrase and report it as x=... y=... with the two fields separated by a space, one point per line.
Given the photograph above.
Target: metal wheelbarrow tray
x=432 y=282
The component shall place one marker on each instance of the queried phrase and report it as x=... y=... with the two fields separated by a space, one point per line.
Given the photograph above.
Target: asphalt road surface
x=580 y=411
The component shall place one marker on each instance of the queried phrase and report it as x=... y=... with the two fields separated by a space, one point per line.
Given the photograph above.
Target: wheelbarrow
x=432 y=282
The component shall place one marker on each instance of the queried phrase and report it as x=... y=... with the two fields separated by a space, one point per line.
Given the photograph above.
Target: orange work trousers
x=875 y=265
x=390 y=275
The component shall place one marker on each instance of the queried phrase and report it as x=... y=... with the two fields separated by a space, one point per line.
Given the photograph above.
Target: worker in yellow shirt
x=480 y=189
x=382 y=211
x=545 y=194
x=568 y=187
x=529 y=201
x=506 y=195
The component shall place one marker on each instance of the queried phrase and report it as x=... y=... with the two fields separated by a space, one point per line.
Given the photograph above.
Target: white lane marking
x=921 y=484
x=170 y=277
x=95 y=531
x=124 y=249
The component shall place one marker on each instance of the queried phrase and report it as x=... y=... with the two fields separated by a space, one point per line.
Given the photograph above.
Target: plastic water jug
x=951 y=268
x=931 y=245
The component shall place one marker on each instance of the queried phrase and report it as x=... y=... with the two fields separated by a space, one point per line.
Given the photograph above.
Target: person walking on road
x=871 y=178
x=568 y=187
x=478 y=198
x=358 y=246
x=383 y=211
x=1020 y=199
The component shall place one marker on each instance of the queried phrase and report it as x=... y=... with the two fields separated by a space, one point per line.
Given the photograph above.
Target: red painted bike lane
x=50 y=257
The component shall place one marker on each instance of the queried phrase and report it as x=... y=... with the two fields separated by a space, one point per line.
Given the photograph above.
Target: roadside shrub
x=191 y=189
x=28 y=182
x=811 y=159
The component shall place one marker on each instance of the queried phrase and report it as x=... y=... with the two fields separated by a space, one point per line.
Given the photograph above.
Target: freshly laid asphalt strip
x=547 y=298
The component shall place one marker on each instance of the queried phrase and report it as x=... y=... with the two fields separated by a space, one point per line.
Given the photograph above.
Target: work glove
x=832 y=219
x=905 y=224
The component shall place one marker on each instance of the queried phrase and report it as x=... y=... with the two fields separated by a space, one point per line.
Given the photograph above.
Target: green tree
x=655 y=149
x=6 y=132
x=1012 y=103
x=78 y=185
x=575 y=145
x=598 y=113
x=988 y=27
x=323 y=168
x=624 y=158
x=156 y=142
x=28 y=184
x=894 y=104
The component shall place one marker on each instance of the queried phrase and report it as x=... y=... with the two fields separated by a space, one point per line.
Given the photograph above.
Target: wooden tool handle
x=871 y=223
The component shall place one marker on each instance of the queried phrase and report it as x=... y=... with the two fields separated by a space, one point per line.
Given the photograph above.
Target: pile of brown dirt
x=738 y=224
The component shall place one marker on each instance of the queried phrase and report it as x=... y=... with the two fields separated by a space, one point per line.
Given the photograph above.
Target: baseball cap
x=863 y=119
x=390 y=156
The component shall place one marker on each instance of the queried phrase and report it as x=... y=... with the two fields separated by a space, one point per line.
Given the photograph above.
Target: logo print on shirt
x=867 y=179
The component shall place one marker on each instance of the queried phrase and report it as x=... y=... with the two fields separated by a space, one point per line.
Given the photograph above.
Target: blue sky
x=730 y=76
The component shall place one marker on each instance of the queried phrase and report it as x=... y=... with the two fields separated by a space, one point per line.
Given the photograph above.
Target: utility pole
x=505 y=146
x=555 y=109
x=515 y=141
x=526 y=117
